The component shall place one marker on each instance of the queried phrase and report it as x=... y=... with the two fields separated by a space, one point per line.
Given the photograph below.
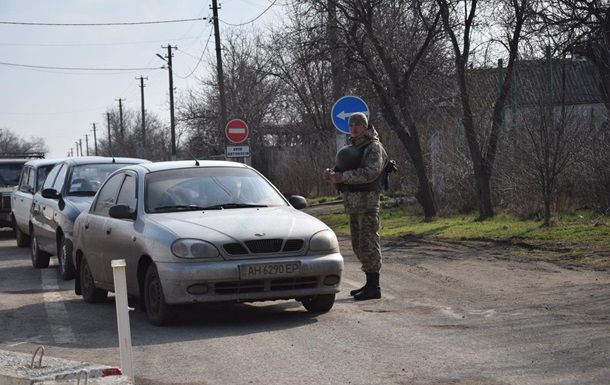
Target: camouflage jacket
x=373 y=161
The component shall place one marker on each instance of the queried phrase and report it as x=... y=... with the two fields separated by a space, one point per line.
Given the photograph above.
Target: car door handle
x=86 y=226
x=108 y=230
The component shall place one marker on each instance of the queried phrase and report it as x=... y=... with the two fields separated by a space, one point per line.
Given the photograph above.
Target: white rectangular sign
x=238 y=151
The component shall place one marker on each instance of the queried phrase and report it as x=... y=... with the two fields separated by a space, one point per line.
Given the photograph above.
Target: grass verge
x=579 y=239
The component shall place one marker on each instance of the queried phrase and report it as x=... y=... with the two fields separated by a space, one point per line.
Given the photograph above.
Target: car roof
x=160 y=166
x=101 y=159
x=44 y=162
x=14 y=160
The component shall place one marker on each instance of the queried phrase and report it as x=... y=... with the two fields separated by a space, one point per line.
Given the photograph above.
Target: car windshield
x=87 y=178
x=208 y=188
x=9 y=173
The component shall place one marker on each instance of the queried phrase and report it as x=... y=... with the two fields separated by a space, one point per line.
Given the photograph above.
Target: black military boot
x=356 y=291
x=371 y=290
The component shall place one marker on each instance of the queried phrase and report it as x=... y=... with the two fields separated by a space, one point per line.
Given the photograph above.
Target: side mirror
x=297 y=201
x=121 y=212
x=50 y=193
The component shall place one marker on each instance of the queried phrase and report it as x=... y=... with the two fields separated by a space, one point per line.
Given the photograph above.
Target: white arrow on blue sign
x=345 y=107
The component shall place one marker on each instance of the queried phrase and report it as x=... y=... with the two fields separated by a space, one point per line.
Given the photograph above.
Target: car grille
x=259 y=246
x=235 y=248
x=6 y=203
x=258 y=286
x=263 y=246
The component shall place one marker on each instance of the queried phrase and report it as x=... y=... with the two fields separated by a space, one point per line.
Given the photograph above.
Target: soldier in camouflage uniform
x=361 y=187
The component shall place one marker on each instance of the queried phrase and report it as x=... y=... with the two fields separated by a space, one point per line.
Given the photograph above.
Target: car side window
x=32 y=180
x=107 y=195
x=127 y=195
x=61 y=177
x=42 y=175
x=23 y=181
x=48 y=183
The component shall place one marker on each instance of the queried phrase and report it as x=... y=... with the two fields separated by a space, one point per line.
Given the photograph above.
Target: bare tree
x=386 y=44
x=460 y=23
x=12 y=143
x=552 y=139
x=583 y=27
x=251 y=94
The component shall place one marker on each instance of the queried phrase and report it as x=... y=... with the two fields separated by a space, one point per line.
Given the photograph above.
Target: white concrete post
x=122 y=315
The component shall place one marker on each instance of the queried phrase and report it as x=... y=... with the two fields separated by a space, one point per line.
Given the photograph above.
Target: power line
x=200 y=58
x=99 y=24
x=77 y=68
x=93 y=44
x=253 y=20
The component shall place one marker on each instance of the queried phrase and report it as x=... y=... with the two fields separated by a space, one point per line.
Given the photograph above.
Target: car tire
x=159 y=313
x=90 y=293
x=22 y=239
x=64 y=256
x=40 y=259
x=319 y=303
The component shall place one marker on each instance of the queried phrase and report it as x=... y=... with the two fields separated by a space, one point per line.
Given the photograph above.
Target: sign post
x=343 y=108
x=237 y=132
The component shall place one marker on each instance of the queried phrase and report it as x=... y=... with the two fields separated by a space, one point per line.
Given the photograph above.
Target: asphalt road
x=465 y=314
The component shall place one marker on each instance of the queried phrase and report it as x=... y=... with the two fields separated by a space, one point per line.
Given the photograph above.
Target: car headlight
x=194 y=248
x=324 y=240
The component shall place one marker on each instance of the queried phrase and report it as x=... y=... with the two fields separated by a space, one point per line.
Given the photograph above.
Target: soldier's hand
x=326 y=174
x=336 y=177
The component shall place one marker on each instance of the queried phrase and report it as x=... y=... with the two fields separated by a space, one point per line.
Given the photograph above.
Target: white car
x=32 y=177
x=209 y=231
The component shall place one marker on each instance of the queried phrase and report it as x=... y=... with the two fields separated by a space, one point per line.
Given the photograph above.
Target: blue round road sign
x=346 y=107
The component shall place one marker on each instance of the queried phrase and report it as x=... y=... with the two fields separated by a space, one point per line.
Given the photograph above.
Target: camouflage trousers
x=365 y=240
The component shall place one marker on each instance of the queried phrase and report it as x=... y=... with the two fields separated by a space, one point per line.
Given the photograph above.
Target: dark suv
x=10 y=170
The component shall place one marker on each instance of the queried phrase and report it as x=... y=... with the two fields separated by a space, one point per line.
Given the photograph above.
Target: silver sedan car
x=209 y=231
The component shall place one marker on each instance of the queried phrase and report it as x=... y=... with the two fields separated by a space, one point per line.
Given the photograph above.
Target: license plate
x=267 y=270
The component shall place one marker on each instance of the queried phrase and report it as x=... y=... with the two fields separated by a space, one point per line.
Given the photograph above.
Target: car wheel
x=66 y=268
x=22 y=239
x=91 y=294
x=158 y=311
x=319 y=303
x=40 y=258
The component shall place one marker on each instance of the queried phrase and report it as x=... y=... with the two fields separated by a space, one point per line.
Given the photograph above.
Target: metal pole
x=94 y=139
x=171 y=101
x=109 y=135
x=87 y=144
x=143 y=111
x=220 y=74
x=122 y=315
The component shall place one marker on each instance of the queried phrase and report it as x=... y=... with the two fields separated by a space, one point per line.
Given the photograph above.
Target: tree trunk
x=425 y=195
x=483 y=180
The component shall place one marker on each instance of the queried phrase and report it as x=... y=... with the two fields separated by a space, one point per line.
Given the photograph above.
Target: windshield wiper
x=232 y=206
x=180 y=208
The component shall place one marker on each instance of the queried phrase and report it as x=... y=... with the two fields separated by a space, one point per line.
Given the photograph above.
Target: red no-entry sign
x=236 y=130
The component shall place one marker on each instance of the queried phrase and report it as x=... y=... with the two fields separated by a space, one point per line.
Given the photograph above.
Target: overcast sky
x=60 y=105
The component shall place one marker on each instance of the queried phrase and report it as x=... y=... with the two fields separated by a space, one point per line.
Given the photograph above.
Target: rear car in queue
x=67 y=190
x=210 y=231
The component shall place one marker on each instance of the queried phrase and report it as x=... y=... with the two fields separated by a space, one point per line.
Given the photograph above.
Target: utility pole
x=143 y=111
x=171 y=97
x=121 y=118
x=87 y=144
x=220 y=74
x=80 y=144
x=71 y=153
x=76 y=143
x=109 y=136
x=94 y=140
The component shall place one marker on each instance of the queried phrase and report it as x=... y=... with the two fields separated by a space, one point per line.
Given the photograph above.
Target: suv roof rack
x=16 y=155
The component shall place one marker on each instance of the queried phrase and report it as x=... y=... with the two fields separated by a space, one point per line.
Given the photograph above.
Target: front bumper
x=223 y=282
